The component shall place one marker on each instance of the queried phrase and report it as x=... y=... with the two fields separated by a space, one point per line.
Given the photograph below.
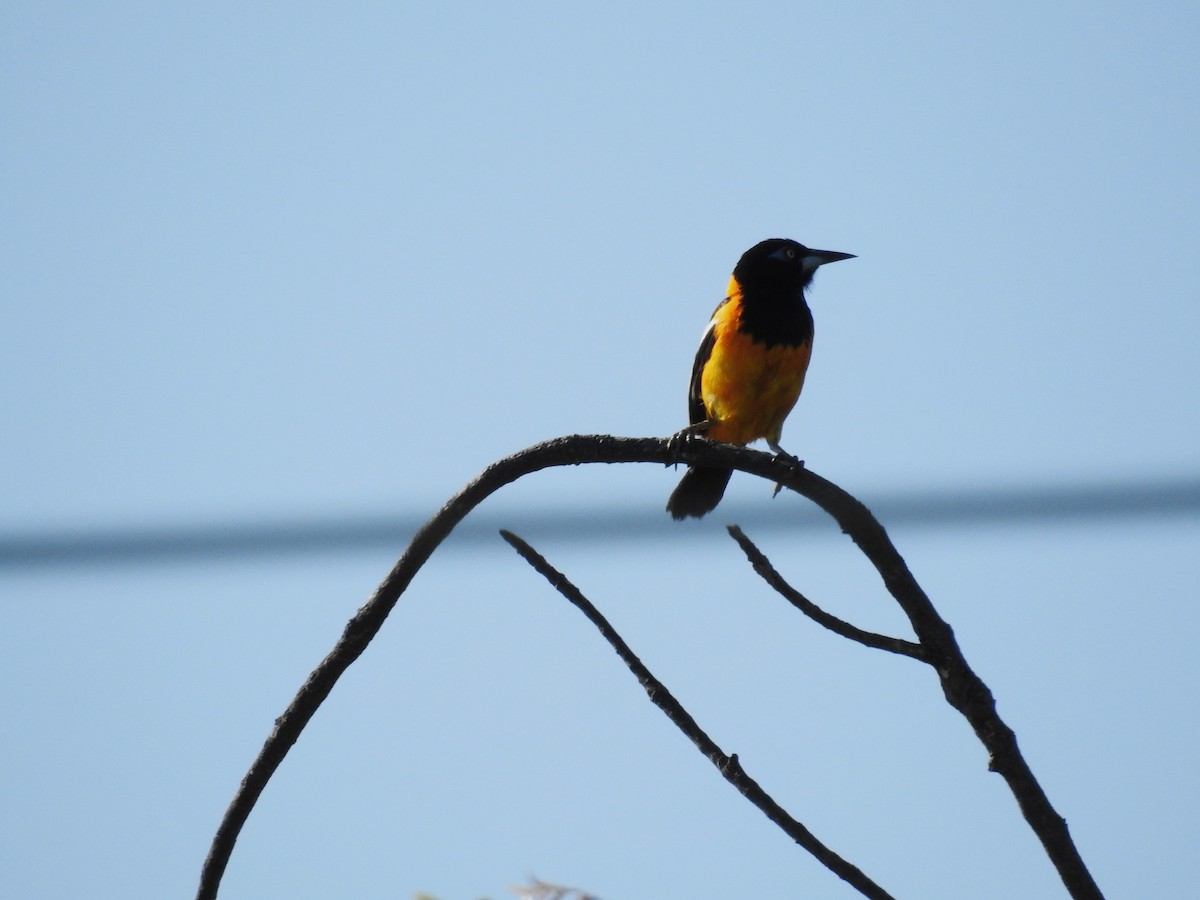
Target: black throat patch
x=776 y=314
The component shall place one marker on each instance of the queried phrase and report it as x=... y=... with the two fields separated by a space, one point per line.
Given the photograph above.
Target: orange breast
x=748 y=389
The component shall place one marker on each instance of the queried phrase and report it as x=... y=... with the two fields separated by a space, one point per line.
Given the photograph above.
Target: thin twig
x=771 y=576
x=727 y=765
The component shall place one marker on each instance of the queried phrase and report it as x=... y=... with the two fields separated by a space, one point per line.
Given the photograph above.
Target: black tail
x=699 y=492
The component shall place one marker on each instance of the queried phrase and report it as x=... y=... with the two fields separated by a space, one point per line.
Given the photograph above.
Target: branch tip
x=771 y=576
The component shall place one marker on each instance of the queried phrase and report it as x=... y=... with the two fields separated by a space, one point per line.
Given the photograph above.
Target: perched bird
x=751 y=363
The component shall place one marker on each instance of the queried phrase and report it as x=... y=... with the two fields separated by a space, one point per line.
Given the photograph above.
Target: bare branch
x=771 y=576
x=365 y=624
x=962 y=687
x=728 y=766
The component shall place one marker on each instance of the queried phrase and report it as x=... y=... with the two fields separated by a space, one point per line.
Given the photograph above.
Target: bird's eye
x=791 y=253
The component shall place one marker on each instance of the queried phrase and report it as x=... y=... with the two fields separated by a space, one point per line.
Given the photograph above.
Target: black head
x=772 y=276
x=781 y=266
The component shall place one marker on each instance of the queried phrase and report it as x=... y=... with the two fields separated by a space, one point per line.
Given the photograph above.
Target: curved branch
x=365 y=624
x=771 y=576
x=964 y=690
x=727 y=765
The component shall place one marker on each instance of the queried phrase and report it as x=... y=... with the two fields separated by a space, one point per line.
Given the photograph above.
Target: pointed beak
x=815 y=258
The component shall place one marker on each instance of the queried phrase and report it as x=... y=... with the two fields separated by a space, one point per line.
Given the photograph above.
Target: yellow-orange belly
x=748 y=389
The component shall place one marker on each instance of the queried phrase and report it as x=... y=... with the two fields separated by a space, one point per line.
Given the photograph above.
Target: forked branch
x=965 y=691
x=763 y=567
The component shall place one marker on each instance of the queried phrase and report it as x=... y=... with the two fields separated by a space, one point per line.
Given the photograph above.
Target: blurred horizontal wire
x=178 y=543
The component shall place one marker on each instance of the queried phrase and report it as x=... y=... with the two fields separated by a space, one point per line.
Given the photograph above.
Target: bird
x=751 y=364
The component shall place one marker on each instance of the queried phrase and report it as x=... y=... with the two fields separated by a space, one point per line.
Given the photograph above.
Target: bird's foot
x=681 y=438
x=783 y=456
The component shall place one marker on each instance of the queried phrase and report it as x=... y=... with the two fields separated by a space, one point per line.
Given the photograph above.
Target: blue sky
x=290 y=260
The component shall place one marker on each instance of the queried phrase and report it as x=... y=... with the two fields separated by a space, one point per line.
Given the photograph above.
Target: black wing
x=696 y=411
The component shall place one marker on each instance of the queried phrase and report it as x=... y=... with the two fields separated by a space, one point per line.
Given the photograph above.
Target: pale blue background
x=304 y=260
